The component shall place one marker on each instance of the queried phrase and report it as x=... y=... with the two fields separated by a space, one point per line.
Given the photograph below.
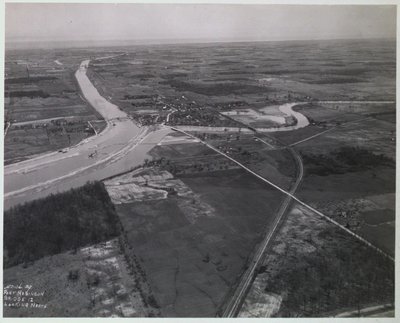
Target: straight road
x=235 y=303
x=236 y=300
x=328 y=130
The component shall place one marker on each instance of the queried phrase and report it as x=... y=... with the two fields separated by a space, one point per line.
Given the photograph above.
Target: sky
x=99 y=22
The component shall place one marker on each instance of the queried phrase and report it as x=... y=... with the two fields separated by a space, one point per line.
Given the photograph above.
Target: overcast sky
x=96 y=22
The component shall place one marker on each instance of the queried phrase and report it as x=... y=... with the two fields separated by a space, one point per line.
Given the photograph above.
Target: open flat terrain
x=88 y=282
x=195 y=241
x=220 y=132
x=350 y=173
x=44 y=110
x=313 y=269
x=201 y=79
x=351 y=104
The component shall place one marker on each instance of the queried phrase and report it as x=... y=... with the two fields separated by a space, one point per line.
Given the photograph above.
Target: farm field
x=44 y=110
x=350 y=166
x=24 y=142
x=176 y=84
x=370 y=130
x=350 y=97
x=195 y=238
x=180 y=219
x=350 y=173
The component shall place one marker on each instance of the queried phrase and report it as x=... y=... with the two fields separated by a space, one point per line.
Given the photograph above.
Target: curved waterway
x=118 y=148
x=287 y=109
x=121 y=146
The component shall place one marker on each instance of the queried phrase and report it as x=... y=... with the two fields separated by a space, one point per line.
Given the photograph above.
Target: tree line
x=58 y=223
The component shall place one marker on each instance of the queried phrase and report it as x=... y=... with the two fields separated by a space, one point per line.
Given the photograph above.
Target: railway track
x=233 y=305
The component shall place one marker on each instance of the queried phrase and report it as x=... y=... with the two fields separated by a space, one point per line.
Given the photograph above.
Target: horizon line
x=78 y=43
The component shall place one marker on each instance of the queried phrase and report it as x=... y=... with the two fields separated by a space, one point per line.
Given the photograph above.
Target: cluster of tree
x=27 y=93
x=138 y=97
x=215 y=89
x=335 y=80
x=230 y=105
x=217 y=136
x=172 y=75
x=75 y=123
x=360 y=157
x=348 y=276
x=32 y=79
x=143 y=104
x=201 y=117
x=199 y=167
x=146 y=119
x=343 y=160
x=140 y=278
x=57 y=223
x=176 y=167
x=316 y=122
